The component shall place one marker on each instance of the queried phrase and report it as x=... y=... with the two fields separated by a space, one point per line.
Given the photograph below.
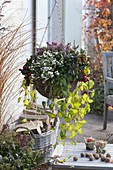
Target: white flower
x=45 y=69
x=50 y=68
x=50 y=73
x=42 y=75
x=54 y=61
x=57 y=73
x=56 y=52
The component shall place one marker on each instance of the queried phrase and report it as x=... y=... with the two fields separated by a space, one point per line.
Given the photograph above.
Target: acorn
x=90 y=154
x=91 y=158
x=96 y=156
x=75 y=158
x=108 y=155
x=82 y=154
x=103 y=158
x=107 y=159
x=87 y=155
x=100 y=154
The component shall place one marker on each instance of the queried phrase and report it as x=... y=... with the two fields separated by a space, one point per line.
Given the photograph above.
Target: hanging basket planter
x=45 y=90
x=42 y=88
x=56 y=69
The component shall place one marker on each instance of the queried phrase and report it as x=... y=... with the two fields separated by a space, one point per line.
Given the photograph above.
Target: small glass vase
x=90 y=143
x=101 y=146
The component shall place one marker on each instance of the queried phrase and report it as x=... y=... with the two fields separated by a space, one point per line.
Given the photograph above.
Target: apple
x=90 y=139
x=101 y=142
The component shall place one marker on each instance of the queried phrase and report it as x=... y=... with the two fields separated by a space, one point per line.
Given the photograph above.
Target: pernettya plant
x=56 y=66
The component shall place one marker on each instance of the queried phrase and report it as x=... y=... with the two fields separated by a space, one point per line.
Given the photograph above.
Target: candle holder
x=101 y=146
x=90 y=143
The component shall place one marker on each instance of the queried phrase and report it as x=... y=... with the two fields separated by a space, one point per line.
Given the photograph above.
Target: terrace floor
x=94 y=128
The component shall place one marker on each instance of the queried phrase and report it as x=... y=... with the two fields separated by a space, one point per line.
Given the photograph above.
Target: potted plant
x=16 y=151
x=55 y=69
x=58 y=67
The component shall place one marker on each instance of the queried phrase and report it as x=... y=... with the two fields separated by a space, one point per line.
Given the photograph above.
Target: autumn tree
x=98 y=14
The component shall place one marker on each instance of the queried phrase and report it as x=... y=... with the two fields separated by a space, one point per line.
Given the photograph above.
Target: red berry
x=29 y=74
x=25 y=67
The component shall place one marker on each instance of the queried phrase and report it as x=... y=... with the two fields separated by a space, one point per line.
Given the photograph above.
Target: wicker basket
x=47 y=139
x=44 y=90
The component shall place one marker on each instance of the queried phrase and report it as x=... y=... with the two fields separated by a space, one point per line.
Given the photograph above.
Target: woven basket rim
x=48 y=132
x=44 y=89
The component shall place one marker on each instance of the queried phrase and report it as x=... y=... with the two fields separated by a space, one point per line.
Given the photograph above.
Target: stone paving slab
x=94 y=128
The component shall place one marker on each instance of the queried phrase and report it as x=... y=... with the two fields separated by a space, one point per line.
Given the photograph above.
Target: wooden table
x=82 y=163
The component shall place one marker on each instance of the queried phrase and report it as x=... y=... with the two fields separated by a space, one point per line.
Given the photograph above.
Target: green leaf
x=32 y=94
x=26 y=102
x=42 y=113
x=73 y=112
x=69 y=78
x=38 y=110
x=85 y=97
x=79 y=124
x=63 y=143
x=60 y=114
x=90 y=101
x=55 y=145
x=28 y=106
x=87 y=107
x=80 y=131
x=51 y=106
x=82 y=114
x=24 y=120
x=90 y=84
x=73 y=142
x=19 y=99
x=67 y=119
x=77 y=105
x=59 y=138
x=92 y=93
x=63 y=134
x=73 y=134
x=52 y=115
x=62 y=161
x=64 y=106
x=82 y=111
x=43 y=104
x=69 y=157
x=62 y=126
x=70 y=127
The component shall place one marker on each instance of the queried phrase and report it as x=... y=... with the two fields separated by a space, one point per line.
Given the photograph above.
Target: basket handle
x=23 y=128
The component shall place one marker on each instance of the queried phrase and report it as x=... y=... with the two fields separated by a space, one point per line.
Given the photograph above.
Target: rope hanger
x=56 y=4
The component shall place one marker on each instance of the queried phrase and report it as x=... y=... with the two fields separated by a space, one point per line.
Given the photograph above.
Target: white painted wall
x=19 y=10
x=41 y=21
x=55 y=12
x=73 y=21
x=16 y=12
x=42 y=31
